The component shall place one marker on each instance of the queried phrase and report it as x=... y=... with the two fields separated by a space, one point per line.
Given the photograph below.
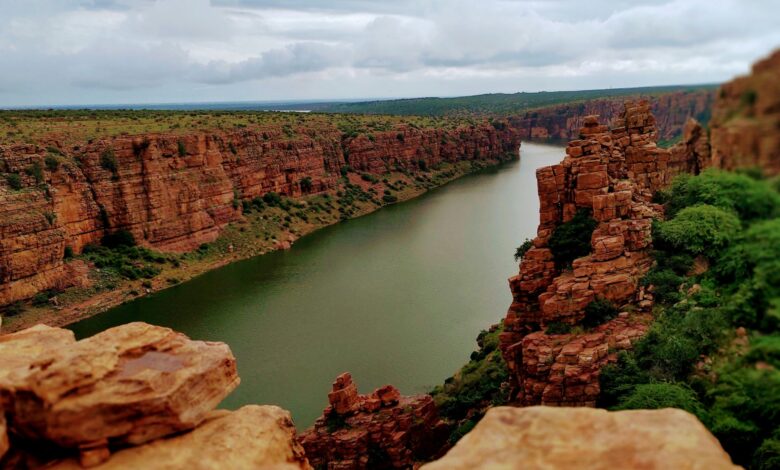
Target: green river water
x=397 y=296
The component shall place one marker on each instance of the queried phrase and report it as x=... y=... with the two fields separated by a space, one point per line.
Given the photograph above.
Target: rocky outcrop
x=562 y=438
x=611 y=174
x=252 y=437
x=745 y=125
x=125 y=386
x=380 y=430
x=174 y=192
x=563 y=122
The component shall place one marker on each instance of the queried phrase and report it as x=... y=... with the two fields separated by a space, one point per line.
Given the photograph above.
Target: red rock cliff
x=563 y=122
x=612 y=173
x=745 y=125
x=175 y=192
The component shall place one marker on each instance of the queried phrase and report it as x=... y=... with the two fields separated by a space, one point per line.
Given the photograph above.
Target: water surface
x=397 y=296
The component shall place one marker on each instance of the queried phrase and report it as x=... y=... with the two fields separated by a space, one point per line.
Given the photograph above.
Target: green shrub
x=273 y=199
x=655 y=396
x=749 y=198
x=14 y=309
x=306 y=184
x=389 y=199
x=14 y=181
x=108 y=161
x=51 y=162
x=698 y=230
x=40 y=299
x=523 y=249
x=557 y=328
x=181 y=148
x=666 y=285
x=571 y=240
x=68 y=252
x=36 y=171
x=599 y=311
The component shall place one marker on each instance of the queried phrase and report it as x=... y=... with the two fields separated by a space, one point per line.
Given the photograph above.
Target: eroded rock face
x=745 y=125
x=564 y=438
x=380 y=430
x=175 y=192
x=252 y=437
x=3 y=436
x=127 y=385
x=612 y=173
x=563 y=122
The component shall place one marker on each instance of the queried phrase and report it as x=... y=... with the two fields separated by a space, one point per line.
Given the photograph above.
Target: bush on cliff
x=523 y=249
x=599 y=311
x=475 y=387
x=14 y=181
x=700 y=229
x=571 y=240
x=716 y=337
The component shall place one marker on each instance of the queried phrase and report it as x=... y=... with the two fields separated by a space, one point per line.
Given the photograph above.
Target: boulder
x=252 y=437
x=125 y=386
x=565 y=438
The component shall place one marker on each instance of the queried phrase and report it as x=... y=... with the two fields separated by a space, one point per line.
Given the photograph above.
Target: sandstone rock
x=252 y=437
x=381 y=428
x=174 y=201
x=19 y=350
x=612 y=173
x=564 y=438
x=127 y=385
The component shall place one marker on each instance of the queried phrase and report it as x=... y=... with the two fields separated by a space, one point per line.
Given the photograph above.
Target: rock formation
x=125 y=386
x=252 y=437
x=380 y=430
x=174 y=192
x=611 y=173
x=745 y=125
x=563 y=122
x=561 y=438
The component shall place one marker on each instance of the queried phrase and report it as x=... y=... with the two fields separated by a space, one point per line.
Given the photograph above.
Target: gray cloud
x=70 y=51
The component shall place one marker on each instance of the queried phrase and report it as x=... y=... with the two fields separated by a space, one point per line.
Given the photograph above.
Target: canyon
x=174 y=193
x=563 y=122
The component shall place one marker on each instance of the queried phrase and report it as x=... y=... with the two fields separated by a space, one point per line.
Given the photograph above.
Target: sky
x=70 y=52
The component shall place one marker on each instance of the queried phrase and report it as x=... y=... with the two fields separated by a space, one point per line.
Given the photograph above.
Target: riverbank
x=266 y=226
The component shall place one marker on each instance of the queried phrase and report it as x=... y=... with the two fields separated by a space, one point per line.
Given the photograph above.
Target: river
x=397 y=296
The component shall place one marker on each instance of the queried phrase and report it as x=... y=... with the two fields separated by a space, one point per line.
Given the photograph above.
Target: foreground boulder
x=380 y=430
x=563 y=438
x=252 y=437
x=125 y=386
x=19 y=350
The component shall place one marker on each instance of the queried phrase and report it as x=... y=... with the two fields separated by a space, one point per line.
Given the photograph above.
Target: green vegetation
x=464 y=397
x=523 y=249
x=108 y=161
x=14 y=181
x=714 y=349
x=495 y=103
x=599 y=311
x=571 y=240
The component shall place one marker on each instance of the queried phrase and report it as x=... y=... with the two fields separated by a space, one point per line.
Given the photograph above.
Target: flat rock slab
x=252 y=437
x=563 y=438
x=127 y=385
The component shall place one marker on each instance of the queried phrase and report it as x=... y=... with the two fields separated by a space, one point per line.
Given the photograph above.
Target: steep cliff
x=577 y=298
x=176 y=191
x=746 y=118
x=563 y=122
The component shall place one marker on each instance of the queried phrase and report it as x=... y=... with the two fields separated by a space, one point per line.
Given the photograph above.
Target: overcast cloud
x=144 y=51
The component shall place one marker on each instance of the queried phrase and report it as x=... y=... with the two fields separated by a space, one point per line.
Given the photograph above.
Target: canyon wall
x=611 y=174
x=175 y=192
x=563 y=122
x=745 y=125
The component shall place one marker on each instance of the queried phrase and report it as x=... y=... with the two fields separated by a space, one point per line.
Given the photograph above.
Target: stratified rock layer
x=745 y=125
x=611 y=173
x=563 y=122
x=565 y=438
x=175 y=192
x=127 y=385
x=380 y=430
x=252 y=437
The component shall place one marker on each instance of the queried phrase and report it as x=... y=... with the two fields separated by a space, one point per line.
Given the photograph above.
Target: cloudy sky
x=149 y=51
